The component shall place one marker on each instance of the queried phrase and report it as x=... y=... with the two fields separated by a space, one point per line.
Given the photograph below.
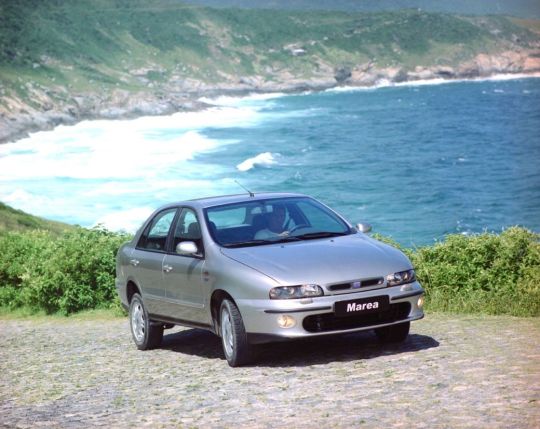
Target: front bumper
x=316 y=316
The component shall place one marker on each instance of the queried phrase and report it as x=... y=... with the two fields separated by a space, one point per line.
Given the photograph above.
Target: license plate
x=361 y=306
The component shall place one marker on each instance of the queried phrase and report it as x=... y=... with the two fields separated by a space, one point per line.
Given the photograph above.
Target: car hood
x=322 y=261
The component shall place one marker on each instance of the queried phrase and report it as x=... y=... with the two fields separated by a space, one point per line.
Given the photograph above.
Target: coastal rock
x=531 y=64
x=393 y=74
x=420 y=73
x=342 y=74
x=363 y=78
x=369 y=76
x=55 y=105
x=505 y=62
x=253 y=81
x=446 y=72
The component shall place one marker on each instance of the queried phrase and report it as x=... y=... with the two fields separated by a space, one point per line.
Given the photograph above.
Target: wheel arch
x=131 y=289
x=215 y=304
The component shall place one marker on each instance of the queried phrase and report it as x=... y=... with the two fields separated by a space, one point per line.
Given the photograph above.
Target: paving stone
x=452 y=372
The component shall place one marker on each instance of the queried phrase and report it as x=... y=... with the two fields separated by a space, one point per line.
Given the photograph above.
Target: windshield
x=253 y=223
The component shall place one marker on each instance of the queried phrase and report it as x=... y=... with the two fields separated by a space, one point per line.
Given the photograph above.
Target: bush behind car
x=485 y=273
x=65 y=274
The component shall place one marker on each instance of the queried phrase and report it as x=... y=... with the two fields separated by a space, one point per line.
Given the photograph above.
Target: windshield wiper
x=283 y=239
x=247 y=243
x=319 y=234
x=286 y=238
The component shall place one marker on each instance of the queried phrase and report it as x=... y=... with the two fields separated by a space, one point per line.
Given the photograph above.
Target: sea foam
x=227 y=100
x=125 y=220
x=262 y=159
x=386 y=83
x=87 y=172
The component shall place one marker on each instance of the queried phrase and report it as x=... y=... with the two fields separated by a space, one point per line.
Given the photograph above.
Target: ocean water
x=416 y=161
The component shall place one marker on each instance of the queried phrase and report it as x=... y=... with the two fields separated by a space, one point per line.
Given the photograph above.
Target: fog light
x=420 y=302
x=285 y=321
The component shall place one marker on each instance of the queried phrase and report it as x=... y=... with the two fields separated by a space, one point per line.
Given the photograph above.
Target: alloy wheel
x=227 y=332
x=137 y=322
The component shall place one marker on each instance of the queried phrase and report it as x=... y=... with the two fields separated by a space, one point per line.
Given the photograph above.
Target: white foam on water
x=125 y=220
x=226 y=100
x=54 y=206
x=86 y=172
x=24 y=199
x=385 y=83
x=262 y=159
x=119 y=152
x=511 y=76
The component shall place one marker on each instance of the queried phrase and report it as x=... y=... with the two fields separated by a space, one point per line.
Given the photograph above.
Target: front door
x=186 y=292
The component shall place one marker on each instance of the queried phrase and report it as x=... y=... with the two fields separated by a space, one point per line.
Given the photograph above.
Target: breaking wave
x=386 y=83
x=263 y=159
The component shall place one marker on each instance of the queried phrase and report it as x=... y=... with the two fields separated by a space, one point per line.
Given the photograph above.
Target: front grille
x=341 y=286
x=357 y=284
x=372 y=282
x=330 y=322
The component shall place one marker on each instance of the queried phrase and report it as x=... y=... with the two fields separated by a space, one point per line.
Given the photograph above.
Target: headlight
x=290 y=292
x=400 y=278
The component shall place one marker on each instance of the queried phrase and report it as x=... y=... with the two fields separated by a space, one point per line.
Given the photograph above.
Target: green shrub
x=20 y=253
x=486 y=273
x=70 y=273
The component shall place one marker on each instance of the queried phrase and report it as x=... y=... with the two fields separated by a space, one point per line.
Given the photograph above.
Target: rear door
x=147 y=260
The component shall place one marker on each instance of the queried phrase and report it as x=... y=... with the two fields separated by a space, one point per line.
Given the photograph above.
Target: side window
x=188 y=229
x=155 y=235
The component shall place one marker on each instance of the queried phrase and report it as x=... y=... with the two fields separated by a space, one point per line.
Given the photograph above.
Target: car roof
x=230 y=199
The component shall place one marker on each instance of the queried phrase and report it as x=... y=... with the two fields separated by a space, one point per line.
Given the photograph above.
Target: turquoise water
x=415 y=161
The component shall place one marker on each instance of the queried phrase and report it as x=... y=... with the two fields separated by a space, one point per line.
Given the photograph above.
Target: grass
x=17 y=220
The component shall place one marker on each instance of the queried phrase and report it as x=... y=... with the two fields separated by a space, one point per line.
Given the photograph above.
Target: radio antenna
x=251 y=194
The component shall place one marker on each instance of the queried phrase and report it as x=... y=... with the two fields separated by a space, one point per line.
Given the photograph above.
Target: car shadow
x=305 y=352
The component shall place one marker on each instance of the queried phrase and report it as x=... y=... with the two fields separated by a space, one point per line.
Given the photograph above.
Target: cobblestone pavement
x=453 y=371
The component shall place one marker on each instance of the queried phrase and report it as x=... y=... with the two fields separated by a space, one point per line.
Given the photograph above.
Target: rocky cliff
x=71 y=61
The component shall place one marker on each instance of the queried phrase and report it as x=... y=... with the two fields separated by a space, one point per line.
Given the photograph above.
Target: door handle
x=134 y=262
x=167 y=268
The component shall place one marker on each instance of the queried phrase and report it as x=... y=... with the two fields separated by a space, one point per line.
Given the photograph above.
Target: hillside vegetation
x=520 y=8
x=17 y=220
x=86 y=59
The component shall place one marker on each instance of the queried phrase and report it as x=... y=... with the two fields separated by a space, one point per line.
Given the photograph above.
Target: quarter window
x=188 y=229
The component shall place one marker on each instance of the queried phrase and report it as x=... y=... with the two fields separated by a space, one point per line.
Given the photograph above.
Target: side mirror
x=363 y=227
x=187 y=248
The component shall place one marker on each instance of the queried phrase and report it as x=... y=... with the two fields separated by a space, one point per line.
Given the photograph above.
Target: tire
x=146 y=334
x=236 y=347
x=393 y=333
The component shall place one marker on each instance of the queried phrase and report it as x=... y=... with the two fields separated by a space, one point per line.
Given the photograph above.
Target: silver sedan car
x=260 y=268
